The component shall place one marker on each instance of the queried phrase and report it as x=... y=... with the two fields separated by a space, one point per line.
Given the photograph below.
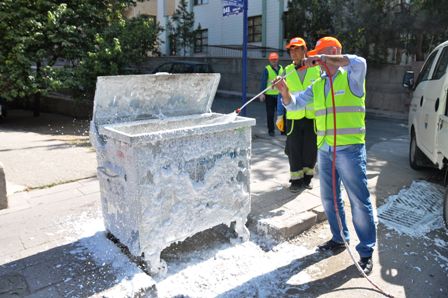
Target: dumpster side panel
x=191 y=184
x=119 y=199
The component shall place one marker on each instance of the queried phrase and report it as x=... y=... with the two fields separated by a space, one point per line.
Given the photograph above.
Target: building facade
x=222 y=35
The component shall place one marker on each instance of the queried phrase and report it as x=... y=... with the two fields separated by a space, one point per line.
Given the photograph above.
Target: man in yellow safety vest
x=270 y=72
x=300 y=136
x=348 y=73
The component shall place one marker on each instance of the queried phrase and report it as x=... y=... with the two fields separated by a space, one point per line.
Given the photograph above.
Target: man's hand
x=280 y=123
x=280 y=84
x=312 y=61
x=262 y=97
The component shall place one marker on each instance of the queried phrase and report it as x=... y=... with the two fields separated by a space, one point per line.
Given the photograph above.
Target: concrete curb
x=3 y=193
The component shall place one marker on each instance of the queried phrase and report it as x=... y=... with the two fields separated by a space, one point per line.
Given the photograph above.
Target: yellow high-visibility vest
x=350 y=113
x=294 y=84
x=272 y=76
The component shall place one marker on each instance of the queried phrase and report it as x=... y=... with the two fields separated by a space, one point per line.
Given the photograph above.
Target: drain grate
x=413 y=211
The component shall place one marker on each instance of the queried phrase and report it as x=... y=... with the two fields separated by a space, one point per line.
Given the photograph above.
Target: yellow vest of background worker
x=294 y=85
x=271 y=77
x=350 y=113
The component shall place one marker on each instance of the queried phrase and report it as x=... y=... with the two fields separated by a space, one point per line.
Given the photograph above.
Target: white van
x=428 y=113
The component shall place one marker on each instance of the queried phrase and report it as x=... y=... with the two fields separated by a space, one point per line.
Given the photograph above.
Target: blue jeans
x=351 y=170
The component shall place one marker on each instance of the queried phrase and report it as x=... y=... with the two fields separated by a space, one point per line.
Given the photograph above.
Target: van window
x=424 y=74
x=441 y=65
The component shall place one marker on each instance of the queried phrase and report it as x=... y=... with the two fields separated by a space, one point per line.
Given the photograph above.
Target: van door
x=442 y=134
x=424 y=99
x=440 y=75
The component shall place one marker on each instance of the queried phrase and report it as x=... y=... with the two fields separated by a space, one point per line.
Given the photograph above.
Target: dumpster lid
x=137 y=97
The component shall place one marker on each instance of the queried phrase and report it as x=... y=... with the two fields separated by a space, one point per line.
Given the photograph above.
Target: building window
x=200 y=2
x=254 y=29
x=153 y=19
x=200 y=40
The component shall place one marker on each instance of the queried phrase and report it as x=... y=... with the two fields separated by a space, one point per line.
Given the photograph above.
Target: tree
x=122 y=46
x=308 y=19
x=372 y=28
x=44 y=41
x=180 y=27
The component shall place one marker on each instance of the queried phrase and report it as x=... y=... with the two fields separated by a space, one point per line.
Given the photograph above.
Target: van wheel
x=445 y=208
x=416 y=156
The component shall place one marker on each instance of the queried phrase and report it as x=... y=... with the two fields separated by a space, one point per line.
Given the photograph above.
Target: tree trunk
x=418 y=47
x=36 y=104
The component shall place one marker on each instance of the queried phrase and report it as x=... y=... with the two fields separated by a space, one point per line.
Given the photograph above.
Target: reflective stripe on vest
x=340 y=110
x=294 y=84
x=350 y=113
x=271 y=77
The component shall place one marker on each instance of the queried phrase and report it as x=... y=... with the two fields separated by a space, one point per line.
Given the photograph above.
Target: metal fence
x=237 y=51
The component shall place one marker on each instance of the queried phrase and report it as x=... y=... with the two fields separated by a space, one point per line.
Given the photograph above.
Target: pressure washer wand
x=297 y=67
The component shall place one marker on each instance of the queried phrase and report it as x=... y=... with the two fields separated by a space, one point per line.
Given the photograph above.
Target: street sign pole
x=244 y=62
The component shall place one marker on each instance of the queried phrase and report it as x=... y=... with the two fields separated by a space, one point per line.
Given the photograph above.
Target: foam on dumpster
x=164 y=179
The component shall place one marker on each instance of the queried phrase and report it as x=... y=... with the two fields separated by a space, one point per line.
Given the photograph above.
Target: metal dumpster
x=167 y=166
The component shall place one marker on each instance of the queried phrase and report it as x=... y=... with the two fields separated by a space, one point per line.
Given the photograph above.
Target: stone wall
x=385 y=92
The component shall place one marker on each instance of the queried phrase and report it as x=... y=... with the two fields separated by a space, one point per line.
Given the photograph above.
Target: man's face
x=297 y=54
x=274 y=63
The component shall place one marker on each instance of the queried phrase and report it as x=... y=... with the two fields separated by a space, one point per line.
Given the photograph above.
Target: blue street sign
x=232 y=7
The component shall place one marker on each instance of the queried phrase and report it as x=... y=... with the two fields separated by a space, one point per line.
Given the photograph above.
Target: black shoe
x=272 y=134
x=332 y=245
x=307 y=182
x=296 y=185
x=366 y=265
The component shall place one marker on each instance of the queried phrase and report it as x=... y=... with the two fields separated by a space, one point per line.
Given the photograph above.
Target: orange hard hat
x=296 y=42
x=323 y=43
x=273 y=56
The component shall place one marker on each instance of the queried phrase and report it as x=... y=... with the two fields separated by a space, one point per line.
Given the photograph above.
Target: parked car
x=184 y=67
x=428 y=114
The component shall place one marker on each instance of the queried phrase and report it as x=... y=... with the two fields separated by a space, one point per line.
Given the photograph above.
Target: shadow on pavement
x=71 y=270
x=282 y=282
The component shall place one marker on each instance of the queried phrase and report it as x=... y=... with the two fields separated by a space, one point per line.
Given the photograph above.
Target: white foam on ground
x=414 y=211
x=240 y=270
x=226 y=269
x=130 y=280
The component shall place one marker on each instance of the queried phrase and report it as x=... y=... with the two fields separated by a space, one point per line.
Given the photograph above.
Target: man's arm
x=264 y=79
x=356 y=67
x=294 y=101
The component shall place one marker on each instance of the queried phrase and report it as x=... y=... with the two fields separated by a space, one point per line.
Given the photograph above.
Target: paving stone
x=320 y=212
x=3 y=192
x=303 y=202
x=54 y=190
x=45 y=293
x=284 y=224
x=89 y=188
x=10 y=244
x=13 y=285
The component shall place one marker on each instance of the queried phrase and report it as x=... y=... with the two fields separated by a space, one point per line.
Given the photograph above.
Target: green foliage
x=126 y=43
x=48 y=44
x=180 y=28
x=371 y=28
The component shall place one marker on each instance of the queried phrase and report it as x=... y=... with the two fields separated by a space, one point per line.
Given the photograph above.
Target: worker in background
x=270 y=72
x=348 y=73
x=300 y=136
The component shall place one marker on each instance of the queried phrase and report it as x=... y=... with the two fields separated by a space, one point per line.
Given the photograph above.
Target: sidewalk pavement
x=45 y=232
